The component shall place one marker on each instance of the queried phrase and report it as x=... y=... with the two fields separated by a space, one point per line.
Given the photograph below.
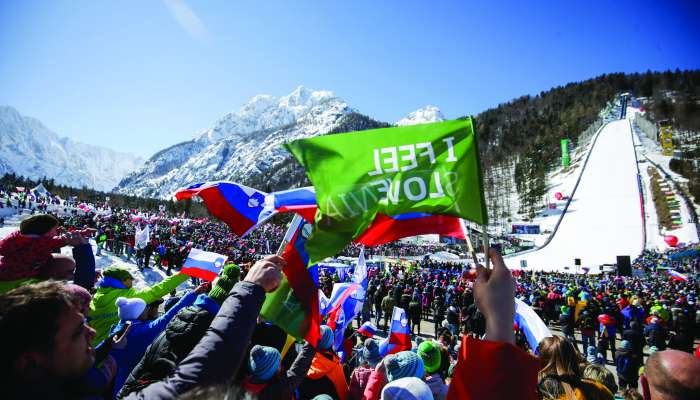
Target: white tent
x=40 y=190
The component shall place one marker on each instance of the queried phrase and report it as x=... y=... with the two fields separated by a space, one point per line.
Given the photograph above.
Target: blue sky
x=138 y=76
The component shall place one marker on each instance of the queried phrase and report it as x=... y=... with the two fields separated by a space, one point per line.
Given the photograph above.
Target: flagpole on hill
x=290 y=233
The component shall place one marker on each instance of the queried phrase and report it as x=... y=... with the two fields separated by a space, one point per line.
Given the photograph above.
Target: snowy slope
x=604 y=218
x=648 y=151
x=423 y=115
x=240 y=146
x=30 y=149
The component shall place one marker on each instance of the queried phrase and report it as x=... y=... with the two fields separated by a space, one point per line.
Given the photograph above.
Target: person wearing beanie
x=327 y=339
x=141 y=330
x=224 y=283
x=404 y=364
x=409 y=388
x=592 y=355
x=627 y=365
x=325 y=374
x=369 y=358
x=26 y=255
x=429 y=352
x=263 y=362
x=264 y=380
x=130 y=309
x=117 y=282
x=181 y=335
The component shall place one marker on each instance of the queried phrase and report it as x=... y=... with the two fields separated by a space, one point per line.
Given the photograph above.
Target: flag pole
x=291 y=228
x=485 y=238
x=470 y=247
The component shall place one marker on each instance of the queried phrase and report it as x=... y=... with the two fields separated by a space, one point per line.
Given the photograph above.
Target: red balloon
x=558 y=196
x=671 y=240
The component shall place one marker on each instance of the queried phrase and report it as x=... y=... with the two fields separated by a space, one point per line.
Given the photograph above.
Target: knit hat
x=264 y=362
x=370 y=353
x=170 y=302
x=626 y=345
x=38 y=224
x=224 y=283
x=117 y=273
x=404 y=364
x=129 y=309
x=409 y=388
x=430 y=354
x=326 y=340
x=591 y=354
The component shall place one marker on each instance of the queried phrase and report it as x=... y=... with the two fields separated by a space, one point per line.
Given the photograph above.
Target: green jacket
x=103 y=310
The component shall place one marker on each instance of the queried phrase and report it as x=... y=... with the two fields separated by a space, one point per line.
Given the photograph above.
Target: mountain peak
x=423 y=115
x=268 y=112
x=30 y=149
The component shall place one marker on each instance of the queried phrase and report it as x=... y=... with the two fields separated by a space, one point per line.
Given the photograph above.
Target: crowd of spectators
x=75 y=336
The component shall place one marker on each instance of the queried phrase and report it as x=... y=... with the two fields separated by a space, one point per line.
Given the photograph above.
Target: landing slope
x=604 y=217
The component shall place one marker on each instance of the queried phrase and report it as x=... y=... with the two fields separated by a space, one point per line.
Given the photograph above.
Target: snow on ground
x=648 y=149
x=561 y=181
x=604 y=217
x=142 y=279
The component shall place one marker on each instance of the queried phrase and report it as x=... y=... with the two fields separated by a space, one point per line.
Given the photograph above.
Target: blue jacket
x=139 y=337
x=217 y=357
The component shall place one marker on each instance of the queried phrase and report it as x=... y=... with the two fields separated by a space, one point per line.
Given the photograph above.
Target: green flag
x=430 y=168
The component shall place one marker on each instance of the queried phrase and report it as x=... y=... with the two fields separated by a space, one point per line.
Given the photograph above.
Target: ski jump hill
x=604 y=217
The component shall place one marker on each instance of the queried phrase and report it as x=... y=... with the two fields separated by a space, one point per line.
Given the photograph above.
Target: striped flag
x=239 y=206
x=203 y=264
x=531 y=324
x=677 y=276
x=399 y=336
x=367 y=329
x=294 y=305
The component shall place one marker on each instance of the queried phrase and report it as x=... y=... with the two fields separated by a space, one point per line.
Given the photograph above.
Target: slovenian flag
x=531 y=324
x=346 y=301
x=677 y=276
x=203 y=264
x=399 y=336
x=384 y=228
x=240 y=207
x=294 y=305
x=367 y=329
x=300 y=200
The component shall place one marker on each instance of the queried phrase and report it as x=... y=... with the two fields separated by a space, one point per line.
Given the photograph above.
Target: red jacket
x=493 y=370
x=23 y=256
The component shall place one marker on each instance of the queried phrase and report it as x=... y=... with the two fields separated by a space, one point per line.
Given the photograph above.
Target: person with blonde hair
x=561 y=377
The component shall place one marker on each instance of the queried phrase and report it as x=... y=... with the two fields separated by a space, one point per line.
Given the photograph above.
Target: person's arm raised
x=219 y=354
x=494 y=294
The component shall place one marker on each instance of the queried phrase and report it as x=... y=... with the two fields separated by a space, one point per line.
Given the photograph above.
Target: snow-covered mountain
x=30 y=149
x=422 y=116
x=243 y=146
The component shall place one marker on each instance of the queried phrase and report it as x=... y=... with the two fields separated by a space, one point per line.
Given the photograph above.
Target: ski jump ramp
x=604 y=219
